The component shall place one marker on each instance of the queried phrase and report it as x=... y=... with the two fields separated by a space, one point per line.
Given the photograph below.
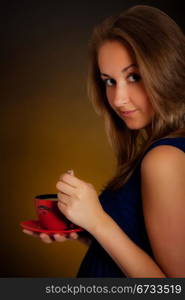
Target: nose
x=121 y=95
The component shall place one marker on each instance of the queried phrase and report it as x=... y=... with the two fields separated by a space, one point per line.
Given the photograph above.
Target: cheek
x=149 y=107
x=110 y=97
x=143 y=99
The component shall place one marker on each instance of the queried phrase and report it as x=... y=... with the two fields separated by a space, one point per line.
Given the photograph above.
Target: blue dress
x=125 y=207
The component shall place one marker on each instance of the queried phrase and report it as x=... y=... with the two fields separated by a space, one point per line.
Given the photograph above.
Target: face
x=124 y=87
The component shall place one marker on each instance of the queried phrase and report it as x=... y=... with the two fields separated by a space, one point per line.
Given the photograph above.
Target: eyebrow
x=124 y=69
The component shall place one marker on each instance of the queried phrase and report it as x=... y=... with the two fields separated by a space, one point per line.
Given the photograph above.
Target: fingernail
x=71 y=172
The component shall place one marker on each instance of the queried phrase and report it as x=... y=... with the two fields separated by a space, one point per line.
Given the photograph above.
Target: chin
x=135 y=127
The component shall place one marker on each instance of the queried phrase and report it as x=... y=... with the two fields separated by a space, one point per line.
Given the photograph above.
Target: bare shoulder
x=163 y=168
x=163 y=197
x=163 y=154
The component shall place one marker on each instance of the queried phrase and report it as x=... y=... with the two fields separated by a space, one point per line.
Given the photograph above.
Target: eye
x=133 y=77
x=109 y=81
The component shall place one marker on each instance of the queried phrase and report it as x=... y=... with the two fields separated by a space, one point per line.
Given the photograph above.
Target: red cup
x=49 y=215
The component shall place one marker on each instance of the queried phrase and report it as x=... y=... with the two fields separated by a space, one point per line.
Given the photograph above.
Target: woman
x=136 y=227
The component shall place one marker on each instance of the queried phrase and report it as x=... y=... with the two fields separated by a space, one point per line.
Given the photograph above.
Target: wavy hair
x=158 y=45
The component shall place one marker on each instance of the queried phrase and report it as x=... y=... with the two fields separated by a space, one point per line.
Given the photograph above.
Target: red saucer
x=34 y=225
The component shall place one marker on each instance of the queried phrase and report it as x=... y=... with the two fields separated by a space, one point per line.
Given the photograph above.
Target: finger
x=74 y=235
x=30 y=232
x=59 y=237
x=71 y=179
x=45 y=238
x=65 y=188
x=63 y=198
x=62 y=207
x=71 y=172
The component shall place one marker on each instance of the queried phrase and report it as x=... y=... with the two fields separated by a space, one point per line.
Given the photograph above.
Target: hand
x=60 y=238
x=78 y=201
x=56 y=237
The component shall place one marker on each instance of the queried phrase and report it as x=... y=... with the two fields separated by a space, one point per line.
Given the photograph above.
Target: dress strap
x=178 y=142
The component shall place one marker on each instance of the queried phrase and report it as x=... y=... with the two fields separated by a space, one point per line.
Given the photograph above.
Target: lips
x=124 y=113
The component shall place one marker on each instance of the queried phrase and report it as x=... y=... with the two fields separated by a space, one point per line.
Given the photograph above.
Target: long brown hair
x=159 y=48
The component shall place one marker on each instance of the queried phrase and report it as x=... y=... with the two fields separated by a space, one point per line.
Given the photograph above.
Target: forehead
x=113 y=53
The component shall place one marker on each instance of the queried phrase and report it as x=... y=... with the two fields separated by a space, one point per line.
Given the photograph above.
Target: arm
x=163 y=189
x=162 y=175
x=163 y=194
x=131 y=259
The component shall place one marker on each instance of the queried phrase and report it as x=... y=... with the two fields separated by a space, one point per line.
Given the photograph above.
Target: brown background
x=47 y=123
